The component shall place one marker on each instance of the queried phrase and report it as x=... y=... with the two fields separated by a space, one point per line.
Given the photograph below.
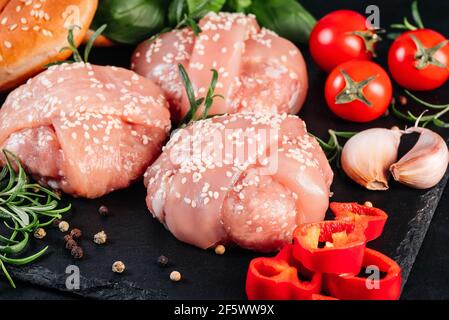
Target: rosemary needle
x=423 y=120
x=24 y=207
x=77 y=57
x=195 y=103
x=333 y=147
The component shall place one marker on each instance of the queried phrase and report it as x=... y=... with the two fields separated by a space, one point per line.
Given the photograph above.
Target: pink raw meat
x=258 y=70
x=87 y=130
x=247 y=178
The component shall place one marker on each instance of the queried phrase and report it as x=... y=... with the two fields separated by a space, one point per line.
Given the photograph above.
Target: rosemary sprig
x=423 y=120
x=333 y=147
x=195 y=103
x=406 y=24
x=24 y=207
x=76 y=55
x=157 y=35
x=416 y=15
x=189 y=21
x=91 y=42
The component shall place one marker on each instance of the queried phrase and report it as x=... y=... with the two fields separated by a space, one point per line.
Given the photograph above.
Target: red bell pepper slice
x=373 y=218
x=354 y=287
x=277 y=279
x=322 y=297
x=342 y=246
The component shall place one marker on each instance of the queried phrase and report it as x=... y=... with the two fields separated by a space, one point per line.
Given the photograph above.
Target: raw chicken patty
x=87 y=130
x=258 y=70
x=247 y=179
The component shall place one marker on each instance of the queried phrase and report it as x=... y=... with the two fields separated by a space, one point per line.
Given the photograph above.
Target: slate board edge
x=89 y=288
x=408 y=249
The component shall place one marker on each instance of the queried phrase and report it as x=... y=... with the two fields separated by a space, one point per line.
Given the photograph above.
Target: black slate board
x=138 y=240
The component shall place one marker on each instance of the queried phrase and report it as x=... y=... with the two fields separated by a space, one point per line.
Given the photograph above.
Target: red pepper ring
x=373 y=218
x=343 y=245
x=353 y=287
x=277 y=279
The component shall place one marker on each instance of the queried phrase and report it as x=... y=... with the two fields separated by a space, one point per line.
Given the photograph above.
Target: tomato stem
x=370 y=38
x=353 y=90
x=425 y=56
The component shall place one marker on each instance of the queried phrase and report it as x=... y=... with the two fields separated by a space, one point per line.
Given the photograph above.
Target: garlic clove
x=366 y=158
x=425 y=164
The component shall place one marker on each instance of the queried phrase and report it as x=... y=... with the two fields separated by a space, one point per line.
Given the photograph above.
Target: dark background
x=429 y=277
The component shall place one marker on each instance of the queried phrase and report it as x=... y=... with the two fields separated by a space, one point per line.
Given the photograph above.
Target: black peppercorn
x=162 y=261
x=56 y=223
x=403 y=100
x=76 y=233
x=77 y=252
x=69 y=245
x=103 y=210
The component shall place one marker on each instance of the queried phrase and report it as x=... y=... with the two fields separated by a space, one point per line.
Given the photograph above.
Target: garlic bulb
x=367 y=157
x=425 y=164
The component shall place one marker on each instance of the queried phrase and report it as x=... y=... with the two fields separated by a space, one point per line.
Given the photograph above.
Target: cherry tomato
x=418 y=60
x=341 y=36
x=358 y=91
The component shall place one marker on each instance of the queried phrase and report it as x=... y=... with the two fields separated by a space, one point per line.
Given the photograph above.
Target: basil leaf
x=131 y=21
x=176 y=11
x=181 y=10
x=238 y=5
x=288 y=18
x=199 y=8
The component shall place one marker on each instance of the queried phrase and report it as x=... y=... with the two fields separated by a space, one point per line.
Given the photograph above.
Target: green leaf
x=210 y=94
x=194 y=103
x=6 y=240
x=288 y=18
x=238 y=5
x=440 y=123
x=425 y=103
x=423 y=120
x=416 y=15
x=334 y=147
x=16 y=248
x=193 y=25
x=199 y=8
x=184 y=13
x=408 y=25
x=176 y=11
x=72 y=44
x=7 y=275
x=23 y=208
x=131 y=21
x=23 y=261
x=92 y=39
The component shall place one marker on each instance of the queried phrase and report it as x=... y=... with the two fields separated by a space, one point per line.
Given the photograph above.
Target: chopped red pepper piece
x=354 y=287
x=373 y=218
x=277 y=279
x=330 y=246
x=322 y=297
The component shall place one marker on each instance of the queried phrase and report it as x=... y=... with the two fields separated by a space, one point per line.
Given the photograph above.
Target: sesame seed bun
x=32 y=33
x=3 y=4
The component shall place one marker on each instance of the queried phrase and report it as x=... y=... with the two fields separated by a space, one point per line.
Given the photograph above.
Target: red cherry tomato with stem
x=358 y=91
x=342 y=36
x=419 y=60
